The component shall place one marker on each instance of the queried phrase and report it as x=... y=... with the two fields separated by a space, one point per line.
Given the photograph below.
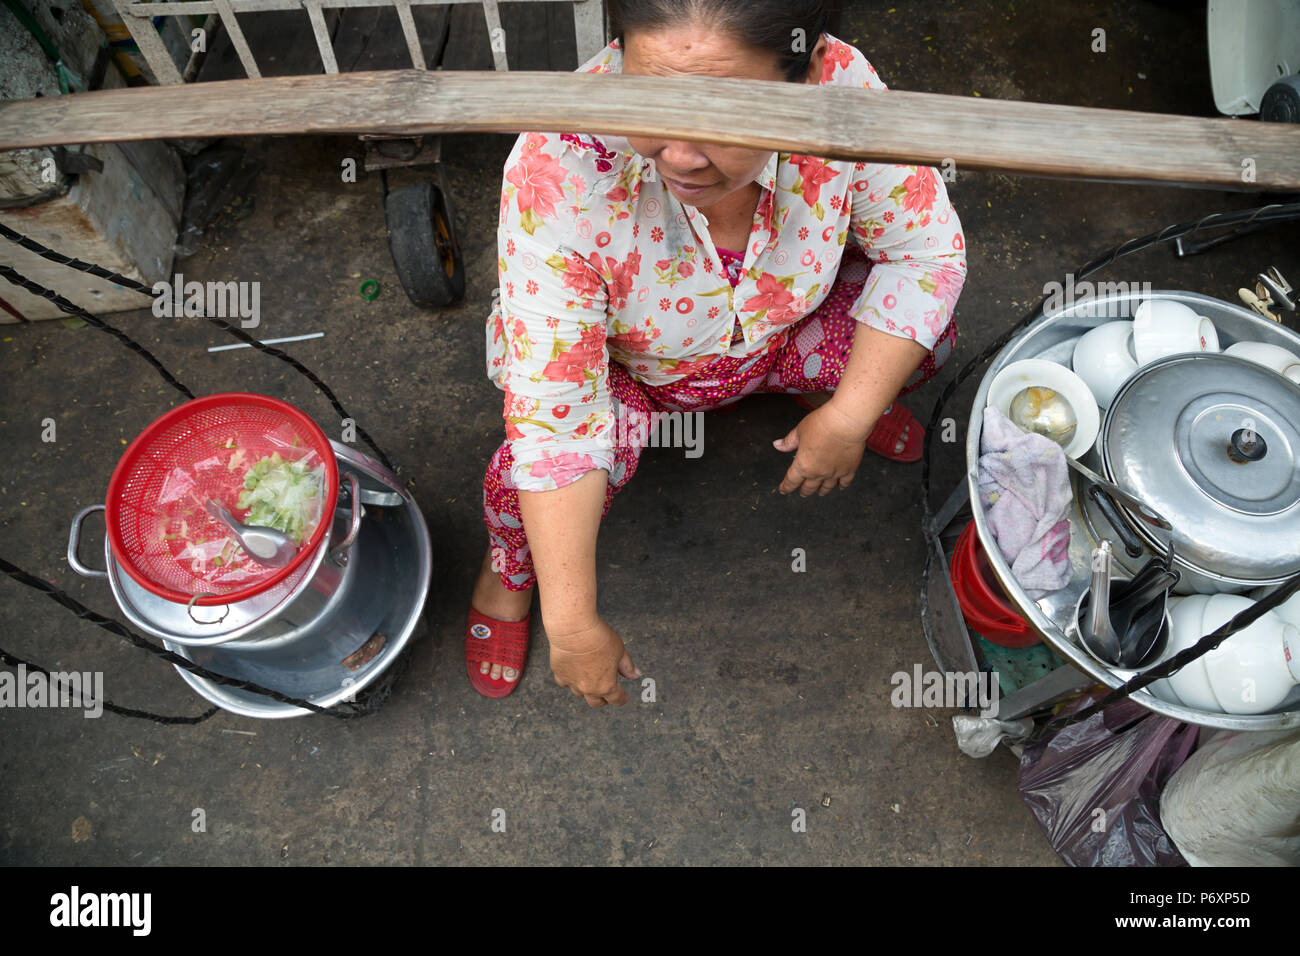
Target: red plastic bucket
x=983 y=607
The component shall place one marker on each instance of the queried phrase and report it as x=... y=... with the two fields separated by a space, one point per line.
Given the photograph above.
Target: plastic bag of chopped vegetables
x=285 y=495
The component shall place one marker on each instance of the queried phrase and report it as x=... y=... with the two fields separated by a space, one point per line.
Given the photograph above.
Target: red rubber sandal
x=885 y=436
x=497 y=642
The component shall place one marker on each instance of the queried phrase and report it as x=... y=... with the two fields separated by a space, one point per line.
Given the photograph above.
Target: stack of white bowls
x=1252 y=672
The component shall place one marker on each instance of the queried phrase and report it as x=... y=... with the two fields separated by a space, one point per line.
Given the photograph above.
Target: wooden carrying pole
x=872 y=125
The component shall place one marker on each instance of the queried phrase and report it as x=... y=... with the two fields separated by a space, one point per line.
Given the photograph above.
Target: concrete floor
x=773 y=688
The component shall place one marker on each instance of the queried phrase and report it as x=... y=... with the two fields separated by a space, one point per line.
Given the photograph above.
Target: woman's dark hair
x=769 y=25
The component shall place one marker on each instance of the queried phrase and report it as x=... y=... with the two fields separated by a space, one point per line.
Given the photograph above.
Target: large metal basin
x=1053 y=337
x=392 y=559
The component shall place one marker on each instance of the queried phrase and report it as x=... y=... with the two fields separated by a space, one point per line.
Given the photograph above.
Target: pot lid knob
x=1247 y=445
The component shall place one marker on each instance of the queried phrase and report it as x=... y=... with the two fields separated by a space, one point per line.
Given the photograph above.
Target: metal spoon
x=1044 y=411
x=1094 y=625
x=266 y=546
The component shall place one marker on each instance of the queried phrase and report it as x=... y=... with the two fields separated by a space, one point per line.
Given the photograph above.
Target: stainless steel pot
x=279 y=611
x=1211 y=442
x=329 y=638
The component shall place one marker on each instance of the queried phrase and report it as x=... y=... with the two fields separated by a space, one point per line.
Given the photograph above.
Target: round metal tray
x=394 y=556
x=1053 y=337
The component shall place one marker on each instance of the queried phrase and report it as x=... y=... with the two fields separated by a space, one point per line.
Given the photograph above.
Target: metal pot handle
x=74 y=539
x=1104 y=503
x=339 y=553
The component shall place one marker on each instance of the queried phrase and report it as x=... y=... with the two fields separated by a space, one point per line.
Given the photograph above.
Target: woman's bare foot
x=818 y=399
x=494 y=599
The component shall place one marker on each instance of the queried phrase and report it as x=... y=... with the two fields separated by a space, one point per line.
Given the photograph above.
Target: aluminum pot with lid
x=1211 y=442
x=324 y=582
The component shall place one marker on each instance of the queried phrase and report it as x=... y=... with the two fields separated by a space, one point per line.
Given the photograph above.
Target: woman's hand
x=828 y=446
x=589 y=663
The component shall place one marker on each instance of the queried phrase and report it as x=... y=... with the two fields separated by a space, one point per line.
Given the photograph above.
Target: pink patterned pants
x=809 y=357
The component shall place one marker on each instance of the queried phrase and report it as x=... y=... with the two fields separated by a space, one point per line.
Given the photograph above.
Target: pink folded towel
x=1025 y=490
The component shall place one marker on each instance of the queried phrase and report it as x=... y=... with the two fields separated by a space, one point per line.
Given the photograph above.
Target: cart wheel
x=1281 y=102
x=424 y=247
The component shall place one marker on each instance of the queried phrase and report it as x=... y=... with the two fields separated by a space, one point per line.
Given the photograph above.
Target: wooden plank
x=149 y=43
x=496 y=35
x=409 y=33
x=259 y=6
x=322 y=34
x=236 y=34
x=881 y=126
x=589 y=28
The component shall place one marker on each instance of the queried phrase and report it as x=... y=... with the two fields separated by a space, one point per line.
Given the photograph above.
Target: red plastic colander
x=154 y=513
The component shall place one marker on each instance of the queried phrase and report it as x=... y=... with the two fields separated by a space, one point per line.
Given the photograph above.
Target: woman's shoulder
x=845 y=65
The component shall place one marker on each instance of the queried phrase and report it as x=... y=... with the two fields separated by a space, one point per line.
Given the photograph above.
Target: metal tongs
x=1271 y=291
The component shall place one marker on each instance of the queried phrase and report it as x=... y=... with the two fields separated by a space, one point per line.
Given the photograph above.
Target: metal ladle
x=266 y=546
x=1044 y=411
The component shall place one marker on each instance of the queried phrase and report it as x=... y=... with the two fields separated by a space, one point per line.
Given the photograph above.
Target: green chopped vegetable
x=285 y=495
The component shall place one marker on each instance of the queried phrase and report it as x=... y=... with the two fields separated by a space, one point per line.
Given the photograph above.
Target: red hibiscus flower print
x=837 y=55
x=638 y=340
x=571 y=364
x=581 y=275
x=792 y=311
x=815 y=173
x=538 y=177
x=563 y=468
x=922 y=188
x=946 y=286
x=685 y=269
x=771 y=295
x=935 y=322
x=621 y=278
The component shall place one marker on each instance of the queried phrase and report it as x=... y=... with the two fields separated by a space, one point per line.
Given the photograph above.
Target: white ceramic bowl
x=1190 y=686
x=1104 y=360
x=1289 y=611
x=1248 y=672
x=1029 y=373
x=1163 y=327
x=1270 y=356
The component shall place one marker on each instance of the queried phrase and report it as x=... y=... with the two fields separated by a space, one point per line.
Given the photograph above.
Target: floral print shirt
x=599 y=262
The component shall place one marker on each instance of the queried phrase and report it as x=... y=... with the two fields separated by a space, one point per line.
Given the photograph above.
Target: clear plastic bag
x=199 y=541
x=1095 y=786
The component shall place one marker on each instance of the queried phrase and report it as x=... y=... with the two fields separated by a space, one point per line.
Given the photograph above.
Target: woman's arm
x=829 y=442
x=587 y=656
